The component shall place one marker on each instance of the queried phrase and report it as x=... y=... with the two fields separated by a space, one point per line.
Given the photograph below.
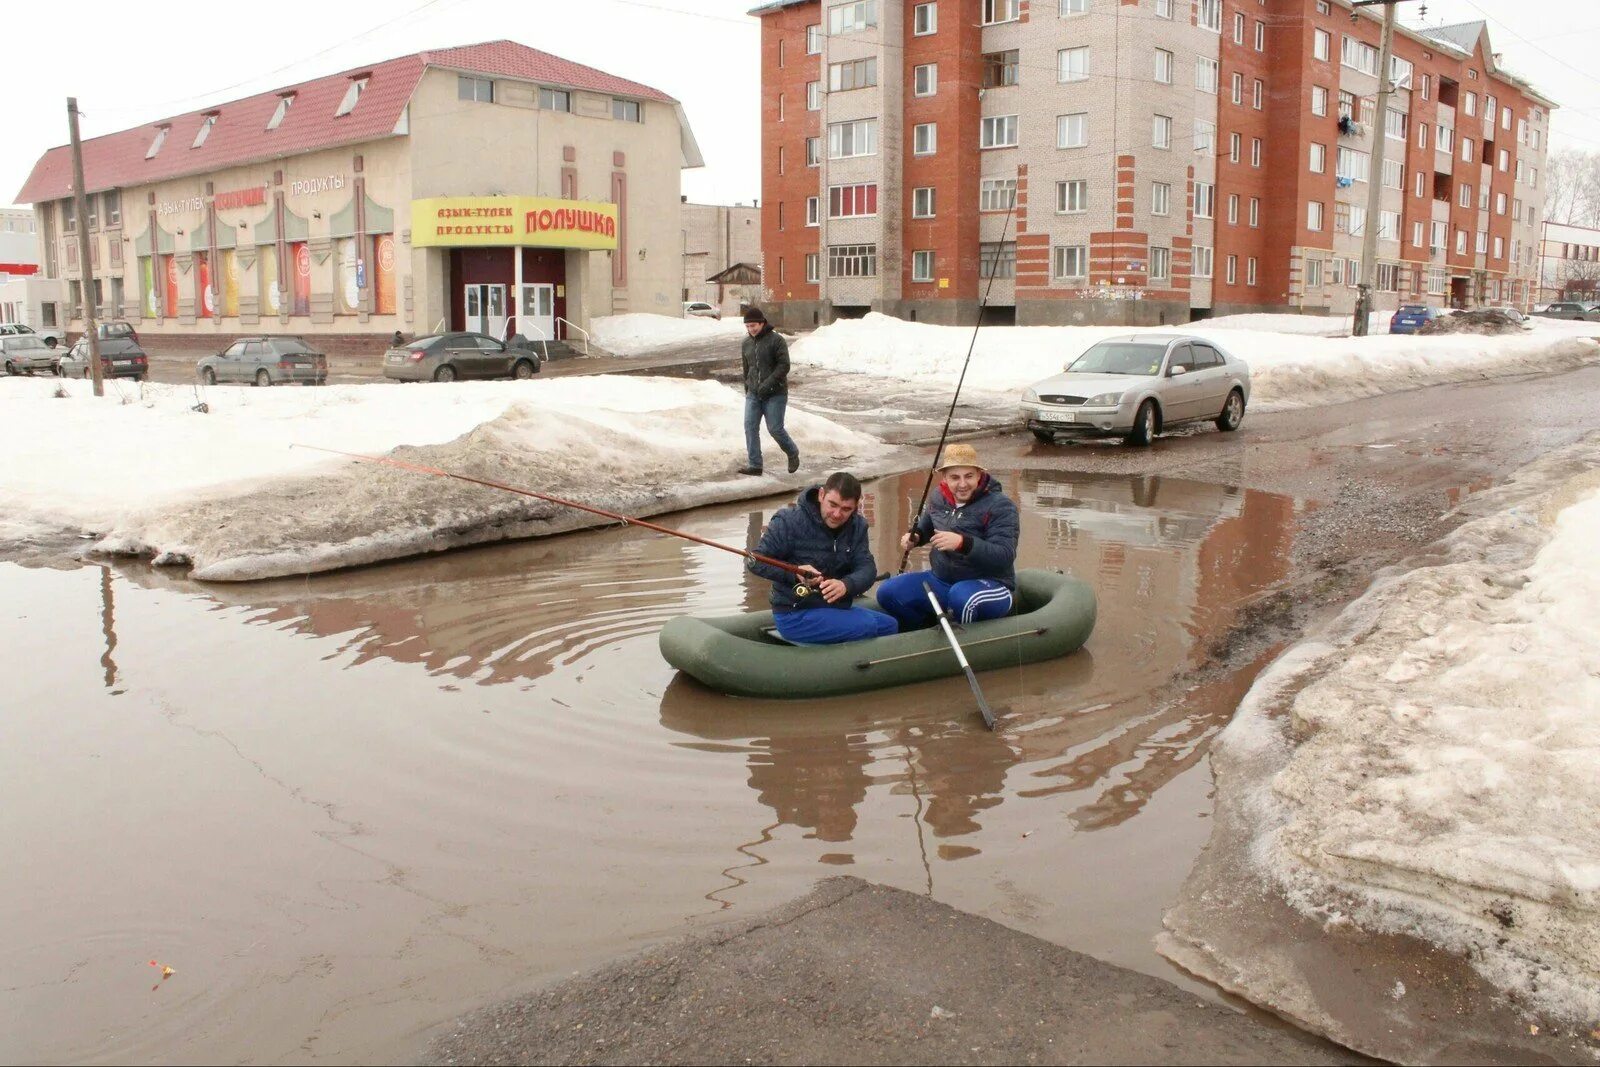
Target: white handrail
x=541 y=338
x=574 y=326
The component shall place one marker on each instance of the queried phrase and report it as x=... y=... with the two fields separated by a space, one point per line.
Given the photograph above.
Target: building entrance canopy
x=505 y=221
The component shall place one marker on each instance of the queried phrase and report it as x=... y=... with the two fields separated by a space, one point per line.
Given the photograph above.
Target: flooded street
x=345 y=809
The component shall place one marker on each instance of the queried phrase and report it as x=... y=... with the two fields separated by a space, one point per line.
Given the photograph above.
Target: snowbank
x=225 y=492
x=1430 y=767
x=639 y=333
x=1287 y=371
x=1305 y=325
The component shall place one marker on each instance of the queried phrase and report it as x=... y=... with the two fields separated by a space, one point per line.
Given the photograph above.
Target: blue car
x=1413 y=317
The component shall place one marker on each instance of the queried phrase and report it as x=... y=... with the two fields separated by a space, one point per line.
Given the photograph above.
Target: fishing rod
x=801 y=589
x=983 y=304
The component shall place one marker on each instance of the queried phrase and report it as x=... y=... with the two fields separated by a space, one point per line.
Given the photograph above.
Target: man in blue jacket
x=972 y=527
x=825 y=535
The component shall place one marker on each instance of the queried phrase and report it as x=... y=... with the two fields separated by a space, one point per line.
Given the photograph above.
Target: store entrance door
x=536 y=319
x=484 y=309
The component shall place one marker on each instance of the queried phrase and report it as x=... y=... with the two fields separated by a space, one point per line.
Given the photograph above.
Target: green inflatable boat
x=742 y=654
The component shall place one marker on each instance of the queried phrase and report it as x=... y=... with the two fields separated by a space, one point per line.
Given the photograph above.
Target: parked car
x=265 y=361
x=1514 y=314
x=50 y=335
x=1139 y=385
x=1572 y=309
x=445 y=357
x=699 y=309
x=25 y=353
x=119 y=358
x=123 y=330
x=1412 y=317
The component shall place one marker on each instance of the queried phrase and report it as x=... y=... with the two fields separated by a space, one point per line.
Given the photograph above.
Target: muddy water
x=344 y=810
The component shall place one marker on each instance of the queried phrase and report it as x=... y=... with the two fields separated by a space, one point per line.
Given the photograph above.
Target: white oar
x=961 y=657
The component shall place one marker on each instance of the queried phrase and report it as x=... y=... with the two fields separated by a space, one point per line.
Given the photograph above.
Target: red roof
x=117 y=160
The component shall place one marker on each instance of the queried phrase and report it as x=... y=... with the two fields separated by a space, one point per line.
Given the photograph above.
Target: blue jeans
x=832 y=626
x=973 y=600
x=772 y=408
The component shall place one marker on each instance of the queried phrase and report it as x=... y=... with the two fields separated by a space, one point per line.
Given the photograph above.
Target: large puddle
x=343 y=810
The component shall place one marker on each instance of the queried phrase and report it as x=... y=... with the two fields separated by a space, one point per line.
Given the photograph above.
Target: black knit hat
x=754 y=315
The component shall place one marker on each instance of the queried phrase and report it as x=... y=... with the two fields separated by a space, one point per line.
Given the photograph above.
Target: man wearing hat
x=972 y=527
x=766 y=390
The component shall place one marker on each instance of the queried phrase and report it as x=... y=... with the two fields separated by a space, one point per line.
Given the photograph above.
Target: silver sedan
x=1136 y=386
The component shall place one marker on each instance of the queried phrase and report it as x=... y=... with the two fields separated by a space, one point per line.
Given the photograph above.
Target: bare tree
x=1572 y=187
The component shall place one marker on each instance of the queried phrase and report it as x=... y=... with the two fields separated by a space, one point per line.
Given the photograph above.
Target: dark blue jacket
x=798 y=535
x=988 y=523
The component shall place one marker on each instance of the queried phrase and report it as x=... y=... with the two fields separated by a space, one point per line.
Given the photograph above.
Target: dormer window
x=160 y=139
x=351 y=95
x=284 y=103
x=208 y=120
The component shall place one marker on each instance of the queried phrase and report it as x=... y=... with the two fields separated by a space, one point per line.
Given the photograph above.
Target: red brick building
x=1139 y=161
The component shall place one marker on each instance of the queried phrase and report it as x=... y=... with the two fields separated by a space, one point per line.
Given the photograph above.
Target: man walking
x=825 y=535
x=972 y=526
x=766 y=390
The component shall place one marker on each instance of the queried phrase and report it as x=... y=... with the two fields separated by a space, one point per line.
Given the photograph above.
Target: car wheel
x=49 y=342
x=263 y=378
x=446 y=373
x=208 y=375
x=523 y=370
x=1232 y=412
x=1145 y=425
x=1044 y=436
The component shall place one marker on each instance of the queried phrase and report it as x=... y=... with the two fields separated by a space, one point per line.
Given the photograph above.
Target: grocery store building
x=491 y=187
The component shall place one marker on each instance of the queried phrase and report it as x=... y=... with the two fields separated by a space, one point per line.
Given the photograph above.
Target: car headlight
x=1031 y=396
x=1104 y=400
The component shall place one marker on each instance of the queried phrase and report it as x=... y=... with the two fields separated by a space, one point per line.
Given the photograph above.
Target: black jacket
x=766 y=363
x=988 y=524
x=798 y=535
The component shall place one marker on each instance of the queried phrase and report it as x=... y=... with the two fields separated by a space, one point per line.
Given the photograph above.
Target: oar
x=961 y=657
x=802 y=588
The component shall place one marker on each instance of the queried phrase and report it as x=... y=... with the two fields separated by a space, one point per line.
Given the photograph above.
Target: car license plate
x=1058 y=416
x=395 y=357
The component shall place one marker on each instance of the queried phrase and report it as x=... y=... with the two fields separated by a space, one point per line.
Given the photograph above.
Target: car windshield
x=1119 y=357
x=292 y=346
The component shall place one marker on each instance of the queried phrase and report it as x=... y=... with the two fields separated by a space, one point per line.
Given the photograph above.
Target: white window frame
x=925 y=79
x=1205 y=136
x=852 y=18
x=1317 y=159
x=922 y=264
x=996 y=12
x=862 y=131
x=1205 y=200
x=1163 y=66
x=1060 y=262
x=1250 y=271
x=924 y=19
x=1070 y=191
x=1205 y=261
x=352 y=96
x=1321 y=45
x=285 y=102
x=1066 y=126
x=863 y=257
x=1255 y=212
x=813 y=268
x=925 y=139
x=1161 y=131
x=1160 y=263
x=1068 y=67
x=1068 y=8
x=1160 y=198
x=813 y=211
x=1208 y=15
x=1314 y=214
x=814 y=39
x=1261 y=36
x=1319 y=100
x=814 y=96
x=997 y=194
x=994 y=131
x=924 y=202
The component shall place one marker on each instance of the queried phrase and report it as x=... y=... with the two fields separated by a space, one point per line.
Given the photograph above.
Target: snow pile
x=638 y=333
x=1287 y=371
x=1306 y=325
x=1436 y=772
x=225 y=492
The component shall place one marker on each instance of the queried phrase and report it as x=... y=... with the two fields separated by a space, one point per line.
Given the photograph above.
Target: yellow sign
x=496 y=221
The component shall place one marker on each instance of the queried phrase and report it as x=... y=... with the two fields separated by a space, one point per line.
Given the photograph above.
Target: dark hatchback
x=265 y=361
x=119 y=358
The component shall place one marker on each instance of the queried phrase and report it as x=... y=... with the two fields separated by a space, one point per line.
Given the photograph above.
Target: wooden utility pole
x=1380 y=137
x=80 y=205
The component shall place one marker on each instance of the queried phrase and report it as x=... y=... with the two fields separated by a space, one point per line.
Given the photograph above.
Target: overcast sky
x=137 y=68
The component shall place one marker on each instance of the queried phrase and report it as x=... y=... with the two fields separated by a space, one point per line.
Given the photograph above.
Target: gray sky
x=704 y=52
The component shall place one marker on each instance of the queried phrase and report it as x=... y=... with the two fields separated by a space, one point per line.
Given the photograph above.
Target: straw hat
x=960 y=454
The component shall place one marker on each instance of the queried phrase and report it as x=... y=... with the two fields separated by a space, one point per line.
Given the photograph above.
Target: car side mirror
x=1175 y=371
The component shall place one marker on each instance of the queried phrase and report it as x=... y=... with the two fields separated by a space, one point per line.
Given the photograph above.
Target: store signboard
x=501 y=221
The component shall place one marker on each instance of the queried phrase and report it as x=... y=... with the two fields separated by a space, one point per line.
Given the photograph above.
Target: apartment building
x=1134 y=161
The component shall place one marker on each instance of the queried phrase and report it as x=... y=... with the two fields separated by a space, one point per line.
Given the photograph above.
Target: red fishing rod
x=800 y=589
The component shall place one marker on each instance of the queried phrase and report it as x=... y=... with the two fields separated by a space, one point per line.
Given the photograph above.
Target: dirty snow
x=1309 y=325
x=639 y=333
x=1287 y=371
x=1430 y=767
x=225 y=492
